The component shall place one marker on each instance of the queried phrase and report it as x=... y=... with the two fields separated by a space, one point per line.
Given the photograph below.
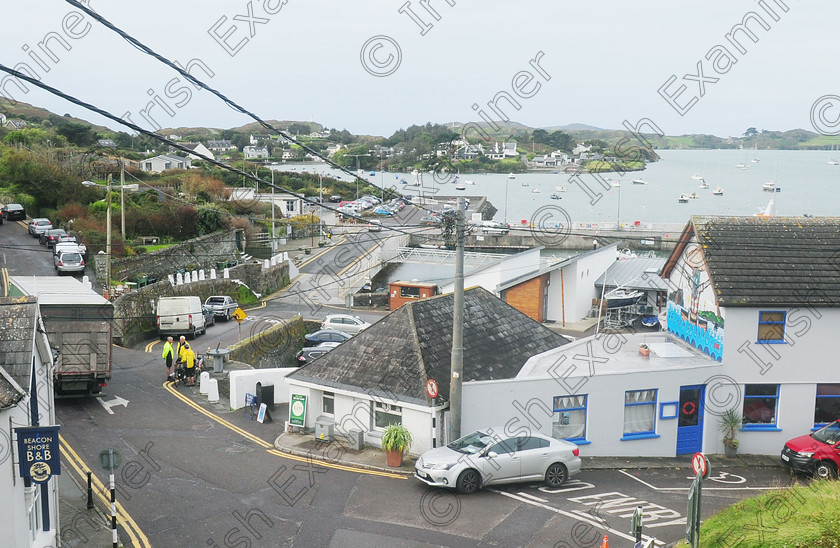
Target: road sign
x=431 y=388
x=239 y=315
x=110 y=459
x=700 y=465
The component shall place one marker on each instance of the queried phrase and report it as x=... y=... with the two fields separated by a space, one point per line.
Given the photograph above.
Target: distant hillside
x=573 y=127
x=34 y=114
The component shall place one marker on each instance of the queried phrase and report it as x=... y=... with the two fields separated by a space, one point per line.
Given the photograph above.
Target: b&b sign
x=38 y=452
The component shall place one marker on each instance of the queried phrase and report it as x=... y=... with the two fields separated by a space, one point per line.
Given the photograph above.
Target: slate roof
x=18 y=316
x=398 y=354
x=770 y=261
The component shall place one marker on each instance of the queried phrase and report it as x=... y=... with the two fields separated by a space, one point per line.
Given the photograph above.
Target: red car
x=817 y=453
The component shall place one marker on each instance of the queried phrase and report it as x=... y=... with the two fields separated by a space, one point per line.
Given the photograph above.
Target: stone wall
x=202 y=252
x=271 y=343
x=135 y=317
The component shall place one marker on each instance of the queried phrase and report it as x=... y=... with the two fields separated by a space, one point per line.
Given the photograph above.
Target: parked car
x=68 y=247
x=325 y=335
x=308 y=354
x=375 y=225
x=221 y=306
x=209 y=317
x=50 y=237
x=488 y=457
x=335 y=199
x=817 y=453
x=13 y=212
x=39 y=225
x=344 y=322
x=430 y=220
x=69 y=262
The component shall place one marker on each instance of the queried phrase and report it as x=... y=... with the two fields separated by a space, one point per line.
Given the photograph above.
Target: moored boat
x=639 y=182
x=622 y=297
x=717 y=191
x=683 y=199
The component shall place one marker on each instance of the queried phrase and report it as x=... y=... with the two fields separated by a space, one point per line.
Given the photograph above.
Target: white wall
x=242 y=382
x=572 y=288
x=510 y=268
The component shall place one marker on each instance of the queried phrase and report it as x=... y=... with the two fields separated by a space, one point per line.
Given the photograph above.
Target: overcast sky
x=337 y=62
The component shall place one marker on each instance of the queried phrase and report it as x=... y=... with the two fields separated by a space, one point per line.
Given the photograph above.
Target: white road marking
x=109 y=404
x=571 y=485
x=646 y=484
x=574 y=516
x=527 y=496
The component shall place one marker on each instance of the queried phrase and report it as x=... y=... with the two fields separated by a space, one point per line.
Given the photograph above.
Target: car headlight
x=440 y=466
x=807 y=454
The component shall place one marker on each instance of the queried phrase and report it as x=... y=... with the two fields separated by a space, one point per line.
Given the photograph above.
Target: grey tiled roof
x=17 y=327
x=772 y=261
x=398 y=354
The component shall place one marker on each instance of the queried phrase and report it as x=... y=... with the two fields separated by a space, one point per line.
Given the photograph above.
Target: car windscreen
x=829 y=434
x=471 y=443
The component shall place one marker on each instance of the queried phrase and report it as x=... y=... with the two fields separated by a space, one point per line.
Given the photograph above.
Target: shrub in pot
x=395 y=442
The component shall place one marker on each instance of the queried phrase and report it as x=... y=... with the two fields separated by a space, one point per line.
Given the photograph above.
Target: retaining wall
x=270 y=343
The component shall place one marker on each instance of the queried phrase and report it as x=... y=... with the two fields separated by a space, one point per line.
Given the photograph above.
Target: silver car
x=39 y=225
x=345 y=322
x=490 y=456
x=69 y=261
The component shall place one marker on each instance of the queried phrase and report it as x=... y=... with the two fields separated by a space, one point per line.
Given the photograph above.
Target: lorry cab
x=180 y=316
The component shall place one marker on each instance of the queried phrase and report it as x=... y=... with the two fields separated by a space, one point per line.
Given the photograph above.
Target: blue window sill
x=760 y=428
x=579 y=441
x=644 y=436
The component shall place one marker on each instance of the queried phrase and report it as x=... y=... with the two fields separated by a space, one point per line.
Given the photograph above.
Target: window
x=507 y=446
x=569 y=417
x=760 y=401
x=532 y=442
x=639 y=413
x=328 y=403
x=410 y=292
x=771 y=327
x=827 y=407
x=32 y=496
x=385 y=414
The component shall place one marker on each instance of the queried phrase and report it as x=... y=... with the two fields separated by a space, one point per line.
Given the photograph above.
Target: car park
x=69 y=262
x=50 y=237
x=39 y=225
x=308 y=354
x=489 y=457
x=13 y=212
x=325 y=335
x=222 y=306
x=817 y=453
x=344 y=322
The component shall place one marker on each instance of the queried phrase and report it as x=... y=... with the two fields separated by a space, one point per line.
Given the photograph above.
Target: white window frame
x=386 y=408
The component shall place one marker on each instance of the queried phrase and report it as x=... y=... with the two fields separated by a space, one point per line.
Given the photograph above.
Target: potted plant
x=395 y=442
x=730 y=421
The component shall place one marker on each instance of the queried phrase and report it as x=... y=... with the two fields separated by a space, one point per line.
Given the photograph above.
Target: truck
x=79 y=325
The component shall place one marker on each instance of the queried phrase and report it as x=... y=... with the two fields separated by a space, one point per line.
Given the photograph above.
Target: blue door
x=690 y=428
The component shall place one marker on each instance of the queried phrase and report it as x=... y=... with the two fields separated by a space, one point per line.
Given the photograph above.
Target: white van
x=180 y=316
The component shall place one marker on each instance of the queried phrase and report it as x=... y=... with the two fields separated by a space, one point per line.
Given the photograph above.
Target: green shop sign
x=297 y=410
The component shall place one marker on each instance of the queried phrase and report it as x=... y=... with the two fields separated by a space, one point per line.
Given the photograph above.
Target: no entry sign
x=700 y=465
x=431 y=388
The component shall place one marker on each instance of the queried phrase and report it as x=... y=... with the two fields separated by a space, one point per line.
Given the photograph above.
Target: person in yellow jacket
x=188 y=358
x=168 y=356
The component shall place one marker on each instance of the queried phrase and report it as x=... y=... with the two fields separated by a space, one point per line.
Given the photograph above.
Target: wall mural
x=687 y=317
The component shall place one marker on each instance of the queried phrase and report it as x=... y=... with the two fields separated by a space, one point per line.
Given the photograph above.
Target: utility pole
x=357 y=171
x=122 y=198
x=457 y=362
x=273 y=235
x=108 y=242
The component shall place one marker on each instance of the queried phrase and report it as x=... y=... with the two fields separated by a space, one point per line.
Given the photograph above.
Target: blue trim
x=676 y=414
x=760 y=428
x=708 y=340
x=640 y=436
x=818 y=426
x=579 y=441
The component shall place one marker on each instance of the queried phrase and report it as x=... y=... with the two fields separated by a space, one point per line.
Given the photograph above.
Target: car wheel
x=826 y=470
x=468 y=482
x=227 y=316
x=556 y=475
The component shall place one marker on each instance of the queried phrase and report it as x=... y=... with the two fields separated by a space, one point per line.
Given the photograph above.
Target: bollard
x=201 y=275
x=212 y=391
x=171 y=280
x=203 y=382
x=90 y=493
x=266 y=264
x=195 y=275
x=187 y=277
x=212 y=273
x=226 y=274
x=179 y=279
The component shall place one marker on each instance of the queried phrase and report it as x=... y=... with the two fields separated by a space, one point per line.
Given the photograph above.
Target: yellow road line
x=24 y=225
x=337 y=466
x=151 y=345
x=270 y=447
x=362 y=256
x=261 y=305
x=133 y=530
x=168 y=386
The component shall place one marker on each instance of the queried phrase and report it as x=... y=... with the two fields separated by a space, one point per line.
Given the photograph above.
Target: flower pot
x=730 y=452
x=394 y=458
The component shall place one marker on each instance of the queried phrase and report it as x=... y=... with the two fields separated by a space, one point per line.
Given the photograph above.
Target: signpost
x=432 y=388
x=636 y=525
x=110 y=460
x=297 y=410
x=38 y=456
x=700 y=465
x=239 y=315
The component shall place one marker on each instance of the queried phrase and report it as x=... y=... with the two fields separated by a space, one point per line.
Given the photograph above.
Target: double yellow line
x=270 y=447
x=138 y=538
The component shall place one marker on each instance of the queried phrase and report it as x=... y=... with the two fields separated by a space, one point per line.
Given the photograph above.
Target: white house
x=501 y=151
x=198 y=148
x=220 y=145
x=468 y=152
x=163 y=162
x=30 y=516
x=289 y=205
x=252 y=152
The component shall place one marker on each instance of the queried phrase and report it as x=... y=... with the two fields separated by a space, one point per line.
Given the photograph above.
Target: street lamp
x=507 y=183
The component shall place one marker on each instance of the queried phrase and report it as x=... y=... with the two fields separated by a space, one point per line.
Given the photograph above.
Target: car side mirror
x=491 y=454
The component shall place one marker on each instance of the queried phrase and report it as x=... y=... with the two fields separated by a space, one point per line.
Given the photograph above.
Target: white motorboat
x=697 y=177
x=639 y=182
x=460 y=186
x=683 y=199
x=535 y=191
x=511 y=176
x=834 y=162
x=717 y=191
x=622 y=297
x=560 y=189
x=742 y=166
x=469 y=182
x=525 y=183
x=770 y=186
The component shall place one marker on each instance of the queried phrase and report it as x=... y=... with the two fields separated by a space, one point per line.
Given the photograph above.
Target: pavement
x=80 y=526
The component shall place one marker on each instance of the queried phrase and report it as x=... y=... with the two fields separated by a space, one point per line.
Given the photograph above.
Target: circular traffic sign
x=700 y=465
x=431 y=388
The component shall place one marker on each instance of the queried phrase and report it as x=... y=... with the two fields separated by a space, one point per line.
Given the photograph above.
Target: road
x=201 y=475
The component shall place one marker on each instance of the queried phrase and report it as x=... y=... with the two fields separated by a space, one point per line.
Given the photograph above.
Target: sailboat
x=755 y=159
x=703 y=183
x=717 y=191
x=770 y=210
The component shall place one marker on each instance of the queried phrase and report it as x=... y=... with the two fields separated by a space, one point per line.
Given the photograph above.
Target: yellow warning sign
x=239 y=315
